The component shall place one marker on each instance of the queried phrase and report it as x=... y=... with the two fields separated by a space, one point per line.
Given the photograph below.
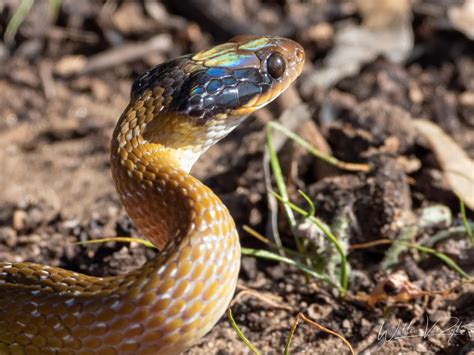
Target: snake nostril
x=299 y=54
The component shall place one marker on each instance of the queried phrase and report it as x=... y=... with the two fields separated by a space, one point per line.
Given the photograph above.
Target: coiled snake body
x=177 y=110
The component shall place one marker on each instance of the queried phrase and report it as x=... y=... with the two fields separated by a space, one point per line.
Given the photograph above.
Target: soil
x=60 y=100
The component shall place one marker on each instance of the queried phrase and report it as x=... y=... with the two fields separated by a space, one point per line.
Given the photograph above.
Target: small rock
x=70 y=224
x=70 y=64
x=321 y=34
x=8 y=236
x=19 y=220
x=421 y=348
x=35 y=216
x=365 y=324
x=6 y=213
x=100 y=89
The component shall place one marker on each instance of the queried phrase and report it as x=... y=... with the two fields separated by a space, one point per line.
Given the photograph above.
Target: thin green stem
x=17 y=19
x=268 y=255
x=464 y=220
x=312 y=208
x=453 y=232
x=266 y=241
x=239 y=332
x=320 y=155
x=118 y=240
x=443 y=257
x=53 y=9
x=280 y=182
x=328 y=234
x=290 y=337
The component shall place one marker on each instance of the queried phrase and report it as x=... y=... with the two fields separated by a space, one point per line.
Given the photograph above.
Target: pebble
x=8 y=236
x=19 y=220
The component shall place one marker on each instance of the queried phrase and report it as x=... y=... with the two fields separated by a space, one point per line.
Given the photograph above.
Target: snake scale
x=177 y=110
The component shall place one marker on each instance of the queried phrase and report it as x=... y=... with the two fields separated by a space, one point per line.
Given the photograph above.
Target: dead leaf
x=383 y=13
x=455 y=163
x=130 y=19
x=386 y=30
x=462 y=18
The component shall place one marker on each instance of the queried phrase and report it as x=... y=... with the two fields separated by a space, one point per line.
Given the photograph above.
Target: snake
x=177 y=110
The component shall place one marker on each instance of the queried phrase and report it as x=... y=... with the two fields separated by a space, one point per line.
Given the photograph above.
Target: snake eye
x=276 y=65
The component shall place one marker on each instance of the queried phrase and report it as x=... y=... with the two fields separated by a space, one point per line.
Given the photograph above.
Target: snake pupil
x=276 y=65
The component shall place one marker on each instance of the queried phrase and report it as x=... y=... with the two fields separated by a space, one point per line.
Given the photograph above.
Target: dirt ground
x=65 y=77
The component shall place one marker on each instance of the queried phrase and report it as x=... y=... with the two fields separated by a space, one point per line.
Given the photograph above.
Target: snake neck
x=146 y=125
x=164 y=201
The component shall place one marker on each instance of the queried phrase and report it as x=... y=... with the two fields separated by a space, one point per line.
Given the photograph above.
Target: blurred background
x=374 y=70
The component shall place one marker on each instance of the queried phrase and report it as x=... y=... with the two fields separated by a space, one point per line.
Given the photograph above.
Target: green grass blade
x=286 y=351
x=119 y=240
x=53 y=9
x=268 y=255
x=239 y=332
x=443 y=257
x=274 y=246
x=453 y=232
x=312 y=209
x=391 y=258
x=320 y=155
x=17 y=19
x=464 y=220
x=277 y=173
x=329 y=235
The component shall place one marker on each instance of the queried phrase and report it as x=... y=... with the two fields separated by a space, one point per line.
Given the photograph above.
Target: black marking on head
x=203 y=95
x=170 y=76
x=205 y=92
x=247 y=90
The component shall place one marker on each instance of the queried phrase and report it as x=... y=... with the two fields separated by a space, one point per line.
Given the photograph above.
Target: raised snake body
x=177 y=110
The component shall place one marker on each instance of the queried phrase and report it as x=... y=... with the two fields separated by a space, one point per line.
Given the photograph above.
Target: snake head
x=195 y=100
x=241 y=76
